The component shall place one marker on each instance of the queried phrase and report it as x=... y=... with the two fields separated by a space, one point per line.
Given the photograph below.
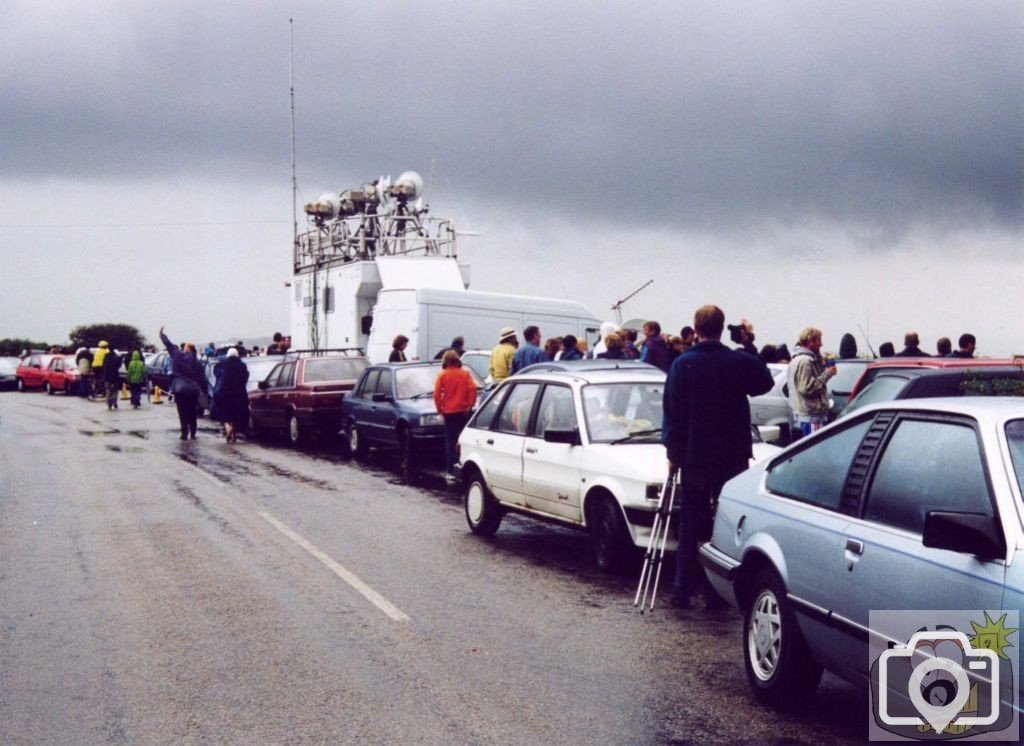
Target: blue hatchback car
x=392 y=406
x=911 y=505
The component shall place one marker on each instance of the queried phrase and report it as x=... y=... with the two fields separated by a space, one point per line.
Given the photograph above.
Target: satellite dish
x=408 y=185
x=326 y=207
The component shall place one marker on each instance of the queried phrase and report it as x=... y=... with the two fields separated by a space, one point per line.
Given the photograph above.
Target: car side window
x=384 y=382
x=515 y=414
x=368 y=384
x=273 y=376
x=926 y=466
x=485 y=418
x=555 y=412
x=816 y=474
x=287 y=377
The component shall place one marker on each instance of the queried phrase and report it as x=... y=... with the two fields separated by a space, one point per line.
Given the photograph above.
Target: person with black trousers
x=706 y=433
x=188 y=382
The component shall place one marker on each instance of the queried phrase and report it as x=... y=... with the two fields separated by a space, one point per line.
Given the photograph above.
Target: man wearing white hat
x=502 y=354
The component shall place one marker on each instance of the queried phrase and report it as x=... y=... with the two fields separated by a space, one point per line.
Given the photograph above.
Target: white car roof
x=609 y=375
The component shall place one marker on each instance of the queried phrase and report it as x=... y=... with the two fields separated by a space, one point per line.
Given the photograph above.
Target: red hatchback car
x=302 y=394
x=891 y=363
x=31 y=372
x=61 y=375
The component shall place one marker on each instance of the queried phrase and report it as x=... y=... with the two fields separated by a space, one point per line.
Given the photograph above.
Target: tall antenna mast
x=291 y=84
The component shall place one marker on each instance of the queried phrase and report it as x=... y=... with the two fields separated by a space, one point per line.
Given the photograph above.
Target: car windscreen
x=846 y=375
x=479 y=364
x=333 y=369
x=1015 y=439
x=883 y=388
x=627 y=412
x=258 y=370
x=416 y=382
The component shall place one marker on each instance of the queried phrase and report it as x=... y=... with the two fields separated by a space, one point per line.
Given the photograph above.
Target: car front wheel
x=611 y=538
x=483 y=513
x=779 y=667
x=21 y=384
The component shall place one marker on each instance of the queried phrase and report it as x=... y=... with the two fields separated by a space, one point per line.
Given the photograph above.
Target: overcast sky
x=835 y=164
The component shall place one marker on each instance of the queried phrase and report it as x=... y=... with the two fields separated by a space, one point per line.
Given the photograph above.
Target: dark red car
x=61 y=375
x=303 y=394
x=893 y=363
x=31 y=372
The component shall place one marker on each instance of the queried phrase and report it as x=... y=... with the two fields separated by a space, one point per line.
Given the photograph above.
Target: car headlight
x=429 y=420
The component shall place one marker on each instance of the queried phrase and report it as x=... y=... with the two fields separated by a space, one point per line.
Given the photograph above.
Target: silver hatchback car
x=909 y=505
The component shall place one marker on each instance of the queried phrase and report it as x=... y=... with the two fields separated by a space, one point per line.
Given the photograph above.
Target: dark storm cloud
x=877 y=114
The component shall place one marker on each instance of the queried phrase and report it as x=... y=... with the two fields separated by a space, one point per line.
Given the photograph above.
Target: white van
x=432 y=317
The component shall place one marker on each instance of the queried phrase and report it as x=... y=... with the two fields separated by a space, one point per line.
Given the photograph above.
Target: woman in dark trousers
x=230 y=398
x=188 y=382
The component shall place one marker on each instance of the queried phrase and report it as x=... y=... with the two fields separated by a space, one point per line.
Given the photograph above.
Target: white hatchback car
x=582 y=448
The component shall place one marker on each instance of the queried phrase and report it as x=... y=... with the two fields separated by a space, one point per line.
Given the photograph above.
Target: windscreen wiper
x=637 y=434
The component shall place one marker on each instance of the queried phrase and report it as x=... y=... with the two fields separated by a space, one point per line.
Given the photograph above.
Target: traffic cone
x=124 y=392
x=156 y=396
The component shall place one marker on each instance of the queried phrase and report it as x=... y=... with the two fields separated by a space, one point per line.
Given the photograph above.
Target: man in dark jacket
x=569 y=349
x=655 y=352
x=706 y=432
x=112 y=378
x=911 y=346
x=967 y=344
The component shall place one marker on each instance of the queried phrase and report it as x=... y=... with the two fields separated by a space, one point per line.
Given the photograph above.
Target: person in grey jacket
x=808 y=378
x=188 y=382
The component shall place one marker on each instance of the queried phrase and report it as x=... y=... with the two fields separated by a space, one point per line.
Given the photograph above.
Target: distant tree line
x=118 y=336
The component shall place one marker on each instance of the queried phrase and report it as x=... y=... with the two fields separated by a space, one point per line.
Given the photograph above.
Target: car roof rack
x=321 y=351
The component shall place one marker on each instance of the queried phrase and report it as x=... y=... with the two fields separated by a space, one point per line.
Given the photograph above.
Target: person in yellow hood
x=97 y=369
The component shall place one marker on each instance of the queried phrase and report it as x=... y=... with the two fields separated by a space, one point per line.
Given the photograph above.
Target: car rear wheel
x=483 y=513
x=356 y=446
x=48 y=388
x=779 y=666
x=406 y=455
x=611 y=538
x=296 y=431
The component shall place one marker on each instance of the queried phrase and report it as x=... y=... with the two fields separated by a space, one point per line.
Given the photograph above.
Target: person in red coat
x=454 y=397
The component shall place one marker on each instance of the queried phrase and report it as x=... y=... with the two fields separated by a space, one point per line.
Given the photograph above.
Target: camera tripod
x=651 y=572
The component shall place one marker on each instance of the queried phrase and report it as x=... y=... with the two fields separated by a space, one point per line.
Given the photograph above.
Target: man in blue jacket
x=706 y=432
x=530 y=352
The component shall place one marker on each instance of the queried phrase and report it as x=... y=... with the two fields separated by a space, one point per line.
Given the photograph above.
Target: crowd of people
x=706 y=420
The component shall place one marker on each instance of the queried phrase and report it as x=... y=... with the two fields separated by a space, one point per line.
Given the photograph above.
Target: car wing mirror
x=263 y=385
x=380 y=398
x=569 y=436
x=967 y=533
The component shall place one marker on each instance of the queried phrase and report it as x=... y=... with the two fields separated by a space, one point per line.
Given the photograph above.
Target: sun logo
x=992 y=635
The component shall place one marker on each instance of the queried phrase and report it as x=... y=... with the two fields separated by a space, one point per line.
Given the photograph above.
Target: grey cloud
x=695 y=114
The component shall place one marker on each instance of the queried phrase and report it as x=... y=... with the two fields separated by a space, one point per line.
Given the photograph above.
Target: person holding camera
x=808 y=376
x=743 y=335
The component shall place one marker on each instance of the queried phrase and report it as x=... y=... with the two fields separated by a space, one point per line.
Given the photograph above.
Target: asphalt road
x=160 y=591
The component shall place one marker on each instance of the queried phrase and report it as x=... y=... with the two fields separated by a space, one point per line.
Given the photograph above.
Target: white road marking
x=371 y=595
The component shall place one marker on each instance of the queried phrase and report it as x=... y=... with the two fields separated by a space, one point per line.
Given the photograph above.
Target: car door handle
x=855 y=547
x=531 y=450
